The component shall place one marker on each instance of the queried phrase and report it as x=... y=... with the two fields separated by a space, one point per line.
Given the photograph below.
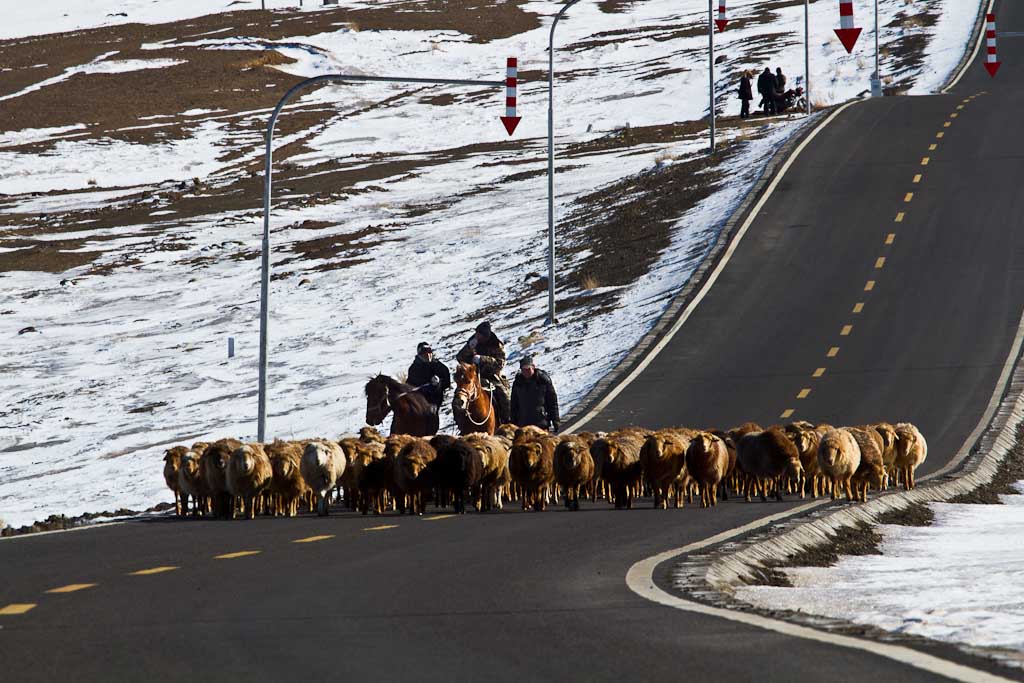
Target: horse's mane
x=416 y=399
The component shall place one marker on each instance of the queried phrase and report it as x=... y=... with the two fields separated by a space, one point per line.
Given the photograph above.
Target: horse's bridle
x=472 y=396
x=383 y=406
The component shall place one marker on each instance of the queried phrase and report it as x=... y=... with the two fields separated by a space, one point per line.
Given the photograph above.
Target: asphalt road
x=527 y=597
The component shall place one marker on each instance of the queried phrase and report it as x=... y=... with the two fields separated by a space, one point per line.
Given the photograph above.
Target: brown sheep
x=370 y=435
x=495 y=476
x=372 y=468
x=806 y=437
x=506 y=431
x=707 y=461
x=192 y=481
x=249 y=476
x=911 y=451
x=172 y=462
x=888 y=433
x=413 y=476
x=731 y=479
x=766 y=457
x=663 y=460
x=573 y=467
x=617 y=457
x=838 y=460
x=215 y=466
x=322 y=465
x=531 y=464
x=287 y=487
x=871 y=469
x=456 y=470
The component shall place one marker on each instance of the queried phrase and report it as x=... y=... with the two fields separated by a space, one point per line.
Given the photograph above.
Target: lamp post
x=551 y=162
x=807 y=54
x=876 y=78
x=711 y=72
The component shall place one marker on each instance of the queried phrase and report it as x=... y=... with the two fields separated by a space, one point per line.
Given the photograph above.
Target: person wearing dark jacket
x=746 y=94
x=780 y=91
x=486 y=351
x=534 y=401
x=766 y=89
x=430 y=375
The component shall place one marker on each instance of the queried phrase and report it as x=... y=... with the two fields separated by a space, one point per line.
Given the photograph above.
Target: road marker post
x=510 y=119
x=847 y=32
x=992 y=62
x=721 y=21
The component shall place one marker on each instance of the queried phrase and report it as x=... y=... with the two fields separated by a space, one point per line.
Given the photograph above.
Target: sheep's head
x=190 y=465
x=888 y=433
x=244 y=460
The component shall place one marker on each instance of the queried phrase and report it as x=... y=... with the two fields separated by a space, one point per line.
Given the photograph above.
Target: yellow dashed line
x=833 y=352
x=954 y=115
x=869 y=285
x=240 y=553
x=71 y=588
x=909 y=197
x=879 y=262
x=940 y=135
x=845 y=332
x=313 y=539
x=818 y=373
x=932 y=147
x=16 y=608
x=437 y=517
x=890 y=238
x=925 y=160
x=858 y=307
x=917 y=178
x=947 y=124
x=804 y=393
x=788 y=412
x=154 y=570
x=899 y=217
x=960 y=106
x=381 y=528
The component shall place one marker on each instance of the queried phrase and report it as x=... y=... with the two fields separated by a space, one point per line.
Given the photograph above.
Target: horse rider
x=534 y=401
x=429 y=375
x=486 y=351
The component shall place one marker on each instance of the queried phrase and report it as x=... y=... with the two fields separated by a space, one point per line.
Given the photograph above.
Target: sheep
x=506 y=431
x=662 y=460
x=911 y=451
x=871 y=469
x=323 y=463
x=172 y=462
x=358 y=452
x=494 y=476
x=838 y=460
x=617 y=457
x=287 y=487
x=372 y=472
x=765 y=457
x=806 y=437
x=456 y=470
x=192 y=481
x=215 y=464
x=707 y=461
x=531 y=464
x=248 y=477
x=370 y=435
x=731 y=474
x=573 y=467
x=413 y=476
x=888 y=433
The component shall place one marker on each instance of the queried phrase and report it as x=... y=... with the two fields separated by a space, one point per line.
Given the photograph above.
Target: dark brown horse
x=413 y=412
x=472 y=405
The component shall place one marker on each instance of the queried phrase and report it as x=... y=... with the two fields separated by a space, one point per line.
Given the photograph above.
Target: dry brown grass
x=589 y=281
x=268 y=58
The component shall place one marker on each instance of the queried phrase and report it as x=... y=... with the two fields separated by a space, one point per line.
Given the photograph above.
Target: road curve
x=526 y=597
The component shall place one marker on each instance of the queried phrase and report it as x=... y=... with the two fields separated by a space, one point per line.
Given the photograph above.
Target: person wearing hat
x=429 y=375
x=486 y=351
x=534 y=401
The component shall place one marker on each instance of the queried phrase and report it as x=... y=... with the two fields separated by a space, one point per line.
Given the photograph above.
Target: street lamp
x=876 y=78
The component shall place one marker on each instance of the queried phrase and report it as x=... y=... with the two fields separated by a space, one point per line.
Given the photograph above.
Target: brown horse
x=472 y=405
x=414 y=414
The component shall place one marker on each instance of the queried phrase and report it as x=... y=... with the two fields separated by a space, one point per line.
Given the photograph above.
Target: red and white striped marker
x=721 y=21
x=991 y=59
x=511 y=91
x=847 y=33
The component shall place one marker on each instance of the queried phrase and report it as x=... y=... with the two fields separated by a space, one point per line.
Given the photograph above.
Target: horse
x=472 y=405
x=414 y=414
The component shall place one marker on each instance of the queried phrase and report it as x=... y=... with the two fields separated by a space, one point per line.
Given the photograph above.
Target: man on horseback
x=429 y=375
x=534 y=401
x=486 y=351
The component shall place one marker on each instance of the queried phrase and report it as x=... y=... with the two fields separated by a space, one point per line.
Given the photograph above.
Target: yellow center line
x=899 y=217
x=869 y=285
x=381 y=528
x=917 y=178
x=845 y=332
x=437 y=517
x=909 y=197
x=833 y=352
x=925 y=160
x=803 y=393
x=960 y=106
x=947 y=124
x=788 y=412
x=240 y=553
x=818 y=373
x=313 y=539
x=71 y=588
x=16 y=608
x=154 y=570
x=890 y=238
x=954 y=115
x=858 y=307
x=932 y=147
x=940 y=135
x=879 y=262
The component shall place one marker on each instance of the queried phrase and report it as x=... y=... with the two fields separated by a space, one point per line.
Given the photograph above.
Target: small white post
x=231 y=347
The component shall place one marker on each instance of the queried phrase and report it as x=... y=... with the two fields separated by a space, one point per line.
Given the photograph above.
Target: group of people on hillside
x=531 y=401
x=775 y=98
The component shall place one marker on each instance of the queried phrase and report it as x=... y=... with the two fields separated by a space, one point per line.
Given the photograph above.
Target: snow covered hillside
x=130 y=220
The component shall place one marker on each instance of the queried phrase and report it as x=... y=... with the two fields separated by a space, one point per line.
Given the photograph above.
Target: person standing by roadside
x=780 y=90
x=534 y=401
x=746 y=94
x=766 y=89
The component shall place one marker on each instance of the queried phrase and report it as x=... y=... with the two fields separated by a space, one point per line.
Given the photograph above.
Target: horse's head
x=466 y=386
x=377 y=404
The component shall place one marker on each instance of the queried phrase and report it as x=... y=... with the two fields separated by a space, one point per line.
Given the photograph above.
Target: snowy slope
x=123 y=364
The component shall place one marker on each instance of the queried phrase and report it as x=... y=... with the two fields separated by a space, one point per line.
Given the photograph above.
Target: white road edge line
x=974 y=53
x=722 y=262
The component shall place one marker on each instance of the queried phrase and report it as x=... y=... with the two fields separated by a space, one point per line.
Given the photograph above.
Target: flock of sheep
x=369 y=472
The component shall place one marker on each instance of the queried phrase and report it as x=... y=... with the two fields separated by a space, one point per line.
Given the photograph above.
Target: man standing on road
x=486 y=351
x=430 y=375
x=534 y=401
